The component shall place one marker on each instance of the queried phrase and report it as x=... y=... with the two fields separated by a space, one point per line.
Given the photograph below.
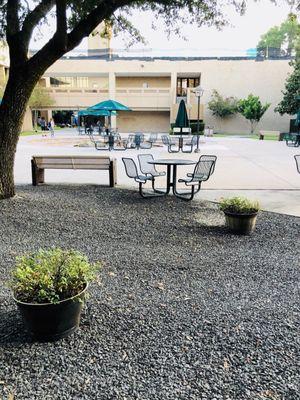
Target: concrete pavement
x=262 y=170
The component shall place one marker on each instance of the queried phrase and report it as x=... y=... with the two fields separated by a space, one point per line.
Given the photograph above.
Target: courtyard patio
x=182 y=308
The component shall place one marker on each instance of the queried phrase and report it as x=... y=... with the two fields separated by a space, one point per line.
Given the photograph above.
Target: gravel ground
x=183 y=310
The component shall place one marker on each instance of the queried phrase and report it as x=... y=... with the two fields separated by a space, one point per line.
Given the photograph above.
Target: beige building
x=152 y=88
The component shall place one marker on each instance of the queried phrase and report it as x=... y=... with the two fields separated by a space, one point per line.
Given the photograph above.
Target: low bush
x=49 y=276
x=239 y=205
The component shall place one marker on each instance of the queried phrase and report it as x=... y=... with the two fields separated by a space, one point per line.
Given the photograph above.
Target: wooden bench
x=40 y=163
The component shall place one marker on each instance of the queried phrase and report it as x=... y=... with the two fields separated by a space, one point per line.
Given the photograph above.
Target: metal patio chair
x=146 y=168
x=132 y=172
x=99 y=144
x=130 y=142
x=170 y=143
x=189 y=143
x=206 y=157
x=146 y=144
x=119 y=143
x=202 y=172
x=153 y=138
x=297 y=159
x=292 y=139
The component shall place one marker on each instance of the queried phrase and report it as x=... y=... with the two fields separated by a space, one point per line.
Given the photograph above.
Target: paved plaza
x=263 y=170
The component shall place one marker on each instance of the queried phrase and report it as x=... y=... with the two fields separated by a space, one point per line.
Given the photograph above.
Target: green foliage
x=283 y=37
x=222 y=107
x=49 y=276
x=40 y=97
x=252 y=109
x=194 y=127
x=239 y=205
x=290 y=103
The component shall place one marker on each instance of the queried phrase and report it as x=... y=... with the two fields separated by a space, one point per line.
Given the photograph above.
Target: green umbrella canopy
x=110 y=105
x=94 y=113
x=182 y=120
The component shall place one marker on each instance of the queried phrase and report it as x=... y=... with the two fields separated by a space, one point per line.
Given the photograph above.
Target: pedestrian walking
x=51 y=127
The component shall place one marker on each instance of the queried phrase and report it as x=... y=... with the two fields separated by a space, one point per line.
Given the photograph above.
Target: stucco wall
x=237 y=78
x=143 y=121
x=138 y=82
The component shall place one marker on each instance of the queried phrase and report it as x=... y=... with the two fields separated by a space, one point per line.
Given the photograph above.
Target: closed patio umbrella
x=182 y=120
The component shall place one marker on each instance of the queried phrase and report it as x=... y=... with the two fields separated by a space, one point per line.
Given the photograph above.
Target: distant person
x=99 y=125
x=51 y=127
x=43 y=126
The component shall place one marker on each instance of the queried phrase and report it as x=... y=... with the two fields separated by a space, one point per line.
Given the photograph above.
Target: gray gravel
x=183 y=310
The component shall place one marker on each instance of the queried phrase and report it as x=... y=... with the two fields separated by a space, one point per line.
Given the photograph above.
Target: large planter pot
x=49 y=322
x=242 y=224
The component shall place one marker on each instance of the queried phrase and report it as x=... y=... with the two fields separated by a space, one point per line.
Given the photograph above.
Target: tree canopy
x=283 y=37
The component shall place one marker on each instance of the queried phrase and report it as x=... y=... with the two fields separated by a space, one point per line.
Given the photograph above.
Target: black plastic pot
x=49 y=322
x=242 y=224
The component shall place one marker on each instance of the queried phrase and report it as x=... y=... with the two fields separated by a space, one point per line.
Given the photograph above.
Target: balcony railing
x=135 y=98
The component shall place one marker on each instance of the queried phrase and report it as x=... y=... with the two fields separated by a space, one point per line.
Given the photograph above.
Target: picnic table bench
x=42 y=162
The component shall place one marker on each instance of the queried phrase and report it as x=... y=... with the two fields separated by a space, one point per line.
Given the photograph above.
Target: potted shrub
x=49 y=287
x=240 y=214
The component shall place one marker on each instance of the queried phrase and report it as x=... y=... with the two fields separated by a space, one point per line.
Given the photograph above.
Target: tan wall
x=100 y=81
x=143 y=121
x=230 y=77
x=137 y=82
x=239 y=78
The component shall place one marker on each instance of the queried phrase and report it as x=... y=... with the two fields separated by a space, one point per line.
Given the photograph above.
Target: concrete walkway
x=262 y=170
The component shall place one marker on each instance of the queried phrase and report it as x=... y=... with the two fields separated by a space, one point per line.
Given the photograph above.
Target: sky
x=242 y=33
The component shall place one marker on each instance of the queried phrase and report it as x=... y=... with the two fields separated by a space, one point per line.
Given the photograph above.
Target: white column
x=173 y=95
x=112 y=94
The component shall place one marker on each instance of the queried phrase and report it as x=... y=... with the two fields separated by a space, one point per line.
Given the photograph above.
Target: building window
x=184 y=83
x=70 y=81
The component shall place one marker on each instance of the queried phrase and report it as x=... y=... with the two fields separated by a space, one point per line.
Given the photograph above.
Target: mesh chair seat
x=194 y=180
x=146 y=168
x=203 y=170
x=206 y=157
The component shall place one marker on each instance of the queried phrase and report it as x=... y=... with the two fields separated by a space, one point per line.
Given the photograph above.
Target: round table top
x=171 y=161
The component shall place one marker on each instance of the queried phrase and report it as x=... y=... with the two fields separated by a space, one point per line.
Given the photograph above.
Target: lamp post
x=198 y=93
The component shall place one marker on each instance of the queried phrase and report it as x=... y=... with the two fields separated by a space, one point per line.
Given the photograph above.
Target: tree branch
x=61 y=24
x=34 y=17
x=95 y=17
x=13 y=24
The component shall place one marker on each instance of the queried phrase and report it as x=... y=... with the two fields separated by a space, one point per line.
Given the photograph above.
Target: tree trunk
x=12 y=110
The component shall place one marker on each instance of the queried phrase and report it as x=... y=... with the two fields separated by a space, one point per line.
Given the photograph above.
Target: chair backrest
x=203 y=169
x=145 y=167
x=153 y=137
x=208 y=157
x=130 y=167
x=297 y=159
x=165 y=139
x=177 y=130
x=186 y=130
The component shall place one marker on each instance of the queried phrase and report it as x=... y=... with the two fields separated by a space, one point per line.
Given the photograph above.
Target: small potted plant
x=240 y=214
x=49 y=287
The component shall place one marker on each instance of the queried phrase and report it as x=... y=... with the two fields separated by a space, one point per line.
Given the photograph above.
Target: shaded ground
x=184 y=310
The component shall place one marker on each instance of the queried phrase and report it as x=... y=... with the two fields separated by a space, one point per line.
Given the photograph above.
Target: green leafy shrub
x=222 y=107
x=252 y=109
x=194 y=126
x=239 y=205
x=49 y=276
